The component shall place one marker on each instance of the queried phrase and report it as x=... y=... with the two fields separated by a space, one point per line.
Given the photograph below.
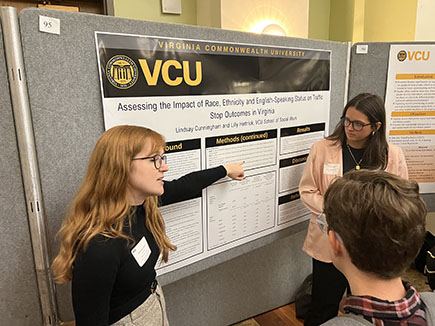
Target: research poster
x=216 y=103
x=410 y=106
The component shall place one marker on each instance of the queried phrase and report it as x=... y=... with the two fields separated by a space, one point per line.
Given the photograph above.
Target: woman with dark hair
x=113 y=233
x=358 y=141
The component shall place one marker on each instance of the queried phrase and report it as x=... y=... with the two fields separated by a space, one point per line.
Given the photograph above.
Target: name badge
x=329 y=168
x=141 y=252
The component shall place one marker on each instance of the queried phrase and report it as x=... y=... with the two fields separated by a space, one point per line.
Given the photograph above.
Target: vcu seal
x=121 y=72
x=401 y=56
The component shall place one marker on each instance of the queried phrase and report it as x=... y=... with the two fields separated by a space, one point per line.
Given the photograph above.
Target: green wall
x=318 y=19
x=335 y=20
x=209 y=13
x=341 y=20
x=390 y=20
x=152 y=10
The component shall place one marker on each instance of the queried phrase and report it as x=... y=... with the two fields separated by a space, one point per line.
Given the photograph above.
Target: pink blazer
x=323 y=165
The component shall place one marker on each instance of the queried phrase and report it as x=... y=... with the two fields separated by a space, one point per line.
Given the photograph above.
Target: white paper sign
x=362 y=49
x=330 y=168
x=141 y=252
x=49 y=25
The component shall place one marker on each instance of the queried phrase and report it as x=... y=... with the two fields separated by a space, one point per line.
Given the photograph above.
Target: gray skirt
x=150 y=313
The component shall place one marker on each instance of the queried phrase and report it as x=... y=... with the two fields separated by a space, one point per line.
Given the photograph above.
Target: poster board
x=17 y=269
x=409 y=103
x=66 y=107
x=369 y=73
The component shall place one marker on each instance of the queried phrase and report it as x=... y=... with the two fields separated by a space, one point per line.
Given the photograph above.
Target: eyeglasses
x=157 y=160
x=356 y=125
x=324 y=227
x=321 y=222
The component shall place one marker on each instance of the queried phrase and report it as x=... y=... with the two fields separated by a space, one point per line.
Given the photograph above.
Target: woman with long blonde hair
x=114 y=233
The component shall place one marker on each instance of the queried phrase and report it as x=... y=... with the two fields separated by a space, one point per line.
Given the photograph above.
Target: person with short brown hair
x=376 y=225
x=358 y=142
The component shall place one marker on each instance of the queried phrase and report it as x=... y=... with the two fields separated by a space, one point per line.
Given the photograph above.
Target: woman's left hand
x=235 y=170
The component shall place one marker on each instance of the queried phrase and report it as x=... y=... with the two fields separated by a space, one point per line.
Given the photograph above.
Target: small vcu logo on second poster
x=121 y=72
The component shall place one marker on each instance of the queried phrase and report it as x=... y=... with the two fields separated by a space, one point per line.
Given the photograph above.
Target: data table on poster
x=240 y=209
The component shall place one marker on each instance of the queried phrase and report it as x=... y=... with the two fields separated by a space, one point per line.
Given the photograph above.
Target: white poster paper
x=410 y=106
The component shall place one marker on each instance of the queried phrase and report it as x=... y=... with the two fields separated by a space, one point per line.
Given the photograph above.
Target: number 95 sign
x=49 y=25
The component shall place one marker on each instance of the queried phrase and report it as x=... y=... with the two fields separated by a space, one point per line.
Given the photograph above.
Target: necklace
x=357 y=167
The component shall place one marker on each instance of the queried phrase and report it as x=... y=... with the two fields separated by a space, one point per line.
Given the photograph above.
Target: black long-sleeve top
x=107 y=282
x=430 y=268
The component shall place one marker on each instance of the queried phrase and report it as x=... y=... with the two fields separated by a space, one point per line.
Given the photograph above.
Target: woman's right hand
x=235 y=170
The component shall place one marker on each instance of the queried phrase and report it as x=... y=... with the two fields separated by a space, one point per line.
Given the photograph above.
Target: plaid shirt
x=404 y=312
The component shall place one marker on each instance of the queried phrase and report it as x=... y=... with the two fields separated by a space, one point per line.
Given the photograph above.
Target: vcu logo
x=121 y=72
x=162 y=68
x=419 y=55
x=413 y=55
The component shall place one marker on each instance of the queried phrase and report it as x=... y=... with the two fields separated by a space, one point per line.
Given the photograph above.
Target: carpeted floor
x=412 y=275
x=417 y=279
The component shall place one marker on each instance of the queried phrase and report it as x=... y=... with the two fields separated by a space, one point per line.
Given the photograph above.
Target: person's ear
x=378 y=125
x=336 y=243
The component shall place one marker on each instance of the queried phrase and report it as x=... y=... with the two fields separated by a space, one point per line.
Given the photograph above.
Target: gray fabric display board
x=19 y=299
x=65 y=100
x=368 y=73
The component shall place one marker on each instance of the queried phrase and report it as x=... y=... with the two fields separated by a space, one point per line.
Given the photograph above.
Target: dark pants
x=329 y=285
